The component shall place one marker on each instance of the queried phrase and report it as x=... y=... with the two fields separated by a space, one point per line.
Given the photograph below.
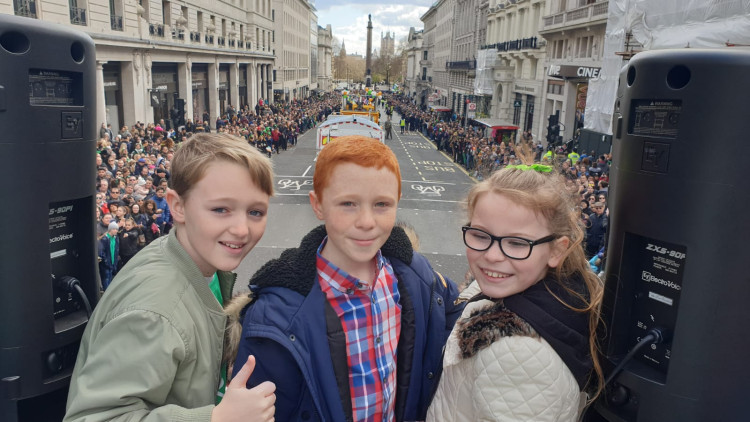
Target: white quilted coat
x=515 y=379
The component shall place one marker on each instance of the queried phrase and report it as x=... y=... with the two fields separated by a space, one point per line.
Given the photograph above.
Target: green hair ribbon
x=541 y=168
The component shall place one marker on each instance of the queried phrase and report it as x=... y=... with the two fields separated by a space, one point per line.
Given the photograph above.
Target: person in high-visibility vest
x=549 y=155
x=574 y=157
x=403 y=125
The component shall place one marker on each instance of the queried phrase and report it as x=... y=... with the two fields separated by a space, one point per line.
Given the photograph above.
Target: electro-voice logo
x=647 y=276
x=61 y=237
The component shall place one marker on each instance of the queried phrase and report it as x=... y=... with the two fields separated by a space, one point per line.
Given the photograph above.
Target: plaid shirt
x=371 y=318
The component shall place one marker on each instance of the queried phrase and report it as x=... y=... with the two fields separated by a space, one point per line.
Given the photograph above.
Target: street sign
x=472 y=106
x=517 y=103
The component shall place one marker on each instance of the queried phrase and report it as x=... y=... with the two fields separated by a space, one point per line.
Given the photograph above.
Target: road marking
x=308 y=169
x=434 y=190
x=442 y=183
x=293 y=184
x=431 y=200
x=447 y=156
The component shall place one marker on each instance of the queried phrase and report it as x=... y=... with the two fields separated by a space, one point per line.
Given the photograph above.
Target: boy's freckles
x=359 y=210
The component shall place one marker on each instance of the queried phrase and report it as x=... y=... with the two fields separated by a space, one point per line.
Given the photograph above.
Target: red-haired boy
x=350 y=325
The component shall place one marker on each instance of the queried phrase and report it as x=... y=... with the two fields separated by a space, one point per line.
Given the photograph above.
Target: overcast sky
x=348 y=19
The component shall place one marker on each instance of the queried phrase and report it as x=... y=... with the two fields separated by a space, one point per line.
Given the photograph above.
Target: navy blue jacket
x=299 y=343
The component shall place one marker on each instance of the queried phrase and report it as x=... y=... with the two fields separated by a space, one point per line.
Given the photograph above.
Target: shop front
x=578 y=77
x=443 y=113
x=113 y=95
x=225 y=93
x=164 y=91
x=498 y=130
x=200 y=91
x=243 y=86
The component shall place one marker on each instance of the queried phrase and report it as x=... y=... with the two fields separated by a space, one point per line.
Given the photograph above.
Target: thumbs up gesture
x=241 y=404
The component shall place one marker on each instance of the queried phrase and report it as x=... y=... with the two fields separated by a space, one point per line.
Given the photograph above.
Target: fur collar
x=295 y=269
x=488 y=324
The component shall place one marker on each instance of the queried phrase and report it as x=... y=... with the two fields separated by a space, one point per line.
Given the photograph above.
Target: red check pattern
x=371 y=319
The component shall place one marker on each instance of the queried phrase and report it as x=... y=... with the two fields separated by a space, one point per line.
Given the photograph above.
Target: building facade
x=574 y=32
x=518 y=77
x=293 y=41
x=469 y=32
x=157 y=60
x=428 y=57
x=441 y=34
x=387 y=44
x=325 y=58
x=413 y=69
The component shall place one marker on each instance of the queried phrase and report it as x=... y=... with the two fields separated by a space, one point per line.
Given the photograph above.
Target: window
x=555 y=87
x=200 y=21
x=25 y=8
x=424 y=55
x=77 y=12
x=559 y=47
x=585 y=45
x=166 y=11
x=115 y=15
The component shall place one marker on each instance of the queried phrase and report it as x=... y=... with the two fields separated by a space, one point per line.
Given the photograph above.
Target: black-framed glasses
x=513 y=247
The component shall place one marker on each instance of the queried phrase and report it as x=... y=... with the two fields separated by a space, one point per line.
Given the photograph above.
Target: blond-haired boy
x=153 y=347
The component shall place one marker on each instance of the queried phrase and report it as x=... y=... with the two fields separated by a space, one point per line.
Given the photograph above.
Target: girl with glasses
x=525 y=346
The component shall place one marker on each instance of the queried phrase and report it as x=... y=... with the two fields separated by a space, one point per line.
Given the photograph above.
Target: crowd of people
x=470 y=146
x=134 y=165
x=482 y=155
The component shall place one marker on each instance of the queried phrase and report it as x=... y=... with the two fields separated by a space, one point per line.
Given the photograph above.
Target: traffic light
x=553 y=127
x=556 y=133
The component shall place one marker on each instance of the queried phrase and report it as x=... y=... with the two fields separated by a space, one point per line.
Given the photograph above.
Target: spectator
x=162 y=208
x=151 y=230
x=103 y=225
x=599 y=221
x=109 y=255
x=128 y=237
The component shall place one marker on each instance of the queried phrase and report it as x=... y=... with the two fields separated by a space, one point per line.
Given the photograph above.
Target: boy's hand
x=246 y=405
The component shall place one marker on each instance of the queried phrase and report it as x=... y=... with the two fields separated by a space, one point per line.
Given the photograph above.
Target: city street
x=433 y=189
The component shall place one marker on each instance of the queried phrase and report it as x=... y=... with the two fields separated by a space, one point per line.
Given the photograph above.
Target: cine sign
x=562 y=71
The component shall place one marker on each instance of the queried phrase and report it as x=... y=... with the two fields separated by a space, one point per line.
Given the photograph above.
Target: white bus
x=337 y=126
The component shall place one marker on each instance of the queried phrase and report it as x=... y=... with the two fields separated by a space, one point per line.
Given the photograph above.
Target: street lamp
x=388 y=71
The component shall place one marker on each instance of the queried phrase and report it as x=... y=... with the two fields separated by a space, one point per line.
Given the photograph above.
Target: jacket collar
x=566 y=330
x=295 y=269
